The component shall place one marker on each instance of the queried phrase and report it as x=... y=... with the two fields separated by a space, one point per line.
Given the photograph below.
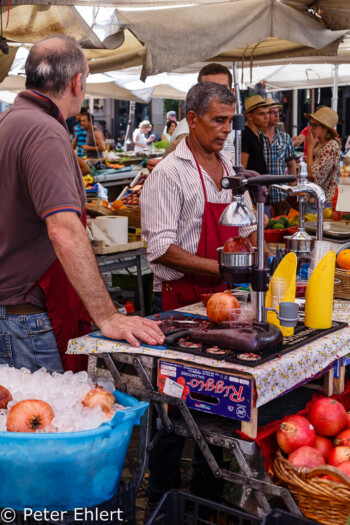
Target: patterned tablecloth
x=272 y=378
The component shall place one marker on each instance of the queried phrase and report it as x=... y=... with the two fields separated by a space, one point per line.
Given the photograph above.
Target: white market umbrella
x=7 y=96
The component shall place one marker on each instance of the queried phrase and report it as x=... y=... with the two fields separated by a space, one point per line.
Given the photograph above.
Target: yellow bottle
x=319 y=294
x=287 y=268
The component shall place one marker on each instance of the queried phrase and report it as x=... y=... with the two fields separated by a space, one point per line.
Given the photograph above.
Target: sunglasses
x=315 y=125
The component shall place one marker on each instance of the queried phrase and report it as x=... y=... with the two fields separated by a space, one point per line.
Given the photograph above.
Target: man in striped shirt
x=181 y=203
x=172 y=199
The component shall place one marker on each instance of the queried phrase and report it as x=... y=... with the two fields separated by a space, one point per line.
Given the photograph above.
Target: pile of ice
x=64 y=392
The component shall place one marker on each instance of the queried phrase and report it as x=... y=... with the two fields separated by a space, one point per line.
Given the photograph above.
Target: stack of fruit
x=282 y=222
x=132 y=196
x=278 y=227
x=323 y=438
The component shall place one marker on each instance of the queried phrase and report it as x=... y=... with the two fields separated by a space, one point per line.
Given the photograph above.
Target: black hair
x=200 y=96
x=215 y=69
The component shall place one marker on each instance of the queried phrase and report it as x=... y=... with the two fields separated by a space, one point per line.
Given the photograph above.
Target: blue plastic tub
x=68 y=470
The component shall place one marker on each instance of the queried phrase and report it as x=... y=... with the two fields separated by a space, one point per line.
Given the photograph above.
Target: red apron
x=69 y=317
x=187 y=290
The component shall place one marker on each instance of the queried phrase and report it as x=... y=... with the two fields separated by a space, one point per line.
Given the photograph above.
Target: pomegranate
x=5 y=397
x=338 y=455
x=344 y=467
x=29 y=415
x=219 y=305
x=238 y=245
x=328 y=416
x=306 y=457
x=101 y=397
x=294 y=432
x=343 y=439
x=323 y=445
x=348 y=419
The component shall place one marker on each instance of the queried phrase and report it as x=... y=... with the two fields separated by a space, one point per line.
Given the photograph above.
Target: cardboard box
x=227 y=394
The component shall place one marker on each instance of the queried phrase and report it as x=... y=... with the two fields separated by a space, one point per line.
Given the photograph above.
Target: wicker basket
x=342 y=288
x=322 y=500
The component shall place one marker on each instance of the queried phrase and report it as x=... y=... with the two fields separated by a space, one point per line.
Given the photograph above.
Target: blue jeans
x=28 y=341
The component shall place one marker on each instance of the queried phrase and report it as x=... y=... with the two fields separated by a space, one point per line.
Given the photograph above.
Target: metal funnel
x=238 y=214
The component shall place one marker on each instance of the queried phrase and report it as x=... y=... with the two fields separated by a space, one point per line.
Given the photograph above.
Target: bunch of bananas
x=309 y=217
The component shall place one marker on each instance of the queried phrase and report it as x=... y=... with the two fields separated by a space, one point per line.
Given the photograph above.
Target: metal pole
x=261 y=295
x=295 y=113
x=128 y=133
x=238 y=110
x=335 y=88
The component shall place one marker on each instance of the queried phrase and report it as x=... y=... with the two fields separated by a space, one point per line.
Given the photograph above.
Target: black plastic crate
x=181 y=508
x=104 y=514
x=280 y=517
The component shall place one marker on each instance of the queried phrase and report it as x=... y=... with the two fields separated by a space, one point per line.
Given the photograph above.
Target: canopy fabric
x=225 y=31
x=30 y=23
x=335 y=13
x=298 y=76
x=6 y=62
x=123 y=86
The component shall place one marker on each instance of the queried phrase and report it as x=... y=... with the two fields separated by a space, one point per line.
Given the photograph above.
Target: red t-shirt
x=39 y=176
x=305 y=132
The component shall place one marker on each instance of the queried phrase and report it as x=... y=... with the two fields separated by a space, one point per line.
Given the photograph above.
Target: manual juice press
x=301 y=243
x=249 y=267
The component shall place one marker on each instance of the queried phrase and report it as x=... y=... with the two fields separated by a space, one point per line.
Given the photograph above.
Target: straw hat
x=254 y=102
x=325 y=116
x=272 y=103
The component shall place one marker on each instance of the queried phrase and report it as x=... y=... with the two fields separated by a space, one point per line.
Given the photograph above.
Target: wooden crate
x=133 y=213
x=100 y=248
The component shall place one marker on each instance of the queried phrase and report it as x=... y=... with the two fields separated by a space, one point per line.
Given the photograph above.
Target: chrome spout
x=317 y=192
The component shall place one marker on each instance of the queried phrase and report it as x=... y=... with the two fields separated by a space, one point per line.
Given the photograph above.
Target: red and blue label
x=208 y=390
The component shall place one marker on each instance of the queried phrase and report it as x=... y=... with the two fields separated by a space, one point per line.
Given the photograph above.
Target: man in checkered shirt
x=279 y=153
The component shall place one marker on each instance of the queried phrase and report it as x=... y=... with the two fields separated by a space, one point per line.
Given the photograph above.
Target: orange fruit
x=343 y=259
x=105 y=204
x=117 y=204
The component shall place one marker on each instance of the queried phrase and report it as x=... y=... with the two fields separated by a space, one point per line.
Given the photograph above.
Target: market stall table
x=260 y=385
x=124 y=256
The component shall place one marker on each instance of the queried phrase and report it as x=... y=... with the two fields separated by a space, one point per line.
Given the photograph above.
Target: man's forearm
x=185 y=262
x=73 y=249
x=253 y=237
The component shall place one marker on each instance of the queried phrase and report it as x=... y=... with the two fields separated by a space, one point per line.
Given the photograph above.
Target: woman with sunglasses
x=323 y=153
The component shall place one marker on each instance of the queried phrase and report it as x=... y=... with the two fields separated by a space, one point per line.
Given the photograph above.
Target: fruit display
x=322 y=437
x=343 y=260
x=132 y=196
x=42 y=403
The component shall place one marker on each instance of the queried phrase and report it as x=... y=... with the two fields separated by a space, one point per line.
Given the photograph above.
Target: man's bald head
x=53 y=63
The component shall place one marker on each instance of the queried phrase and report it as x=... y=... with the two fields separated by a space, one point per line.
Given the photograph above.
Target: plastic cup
x=321 y=248
x=300 y=288
x=241 y=317
x=241 y=296
x=278 y=287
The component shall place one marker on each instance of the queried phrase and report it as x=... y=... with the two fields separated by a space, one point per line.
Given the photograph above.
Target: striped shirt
x=172 y=206
x=277 y=153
